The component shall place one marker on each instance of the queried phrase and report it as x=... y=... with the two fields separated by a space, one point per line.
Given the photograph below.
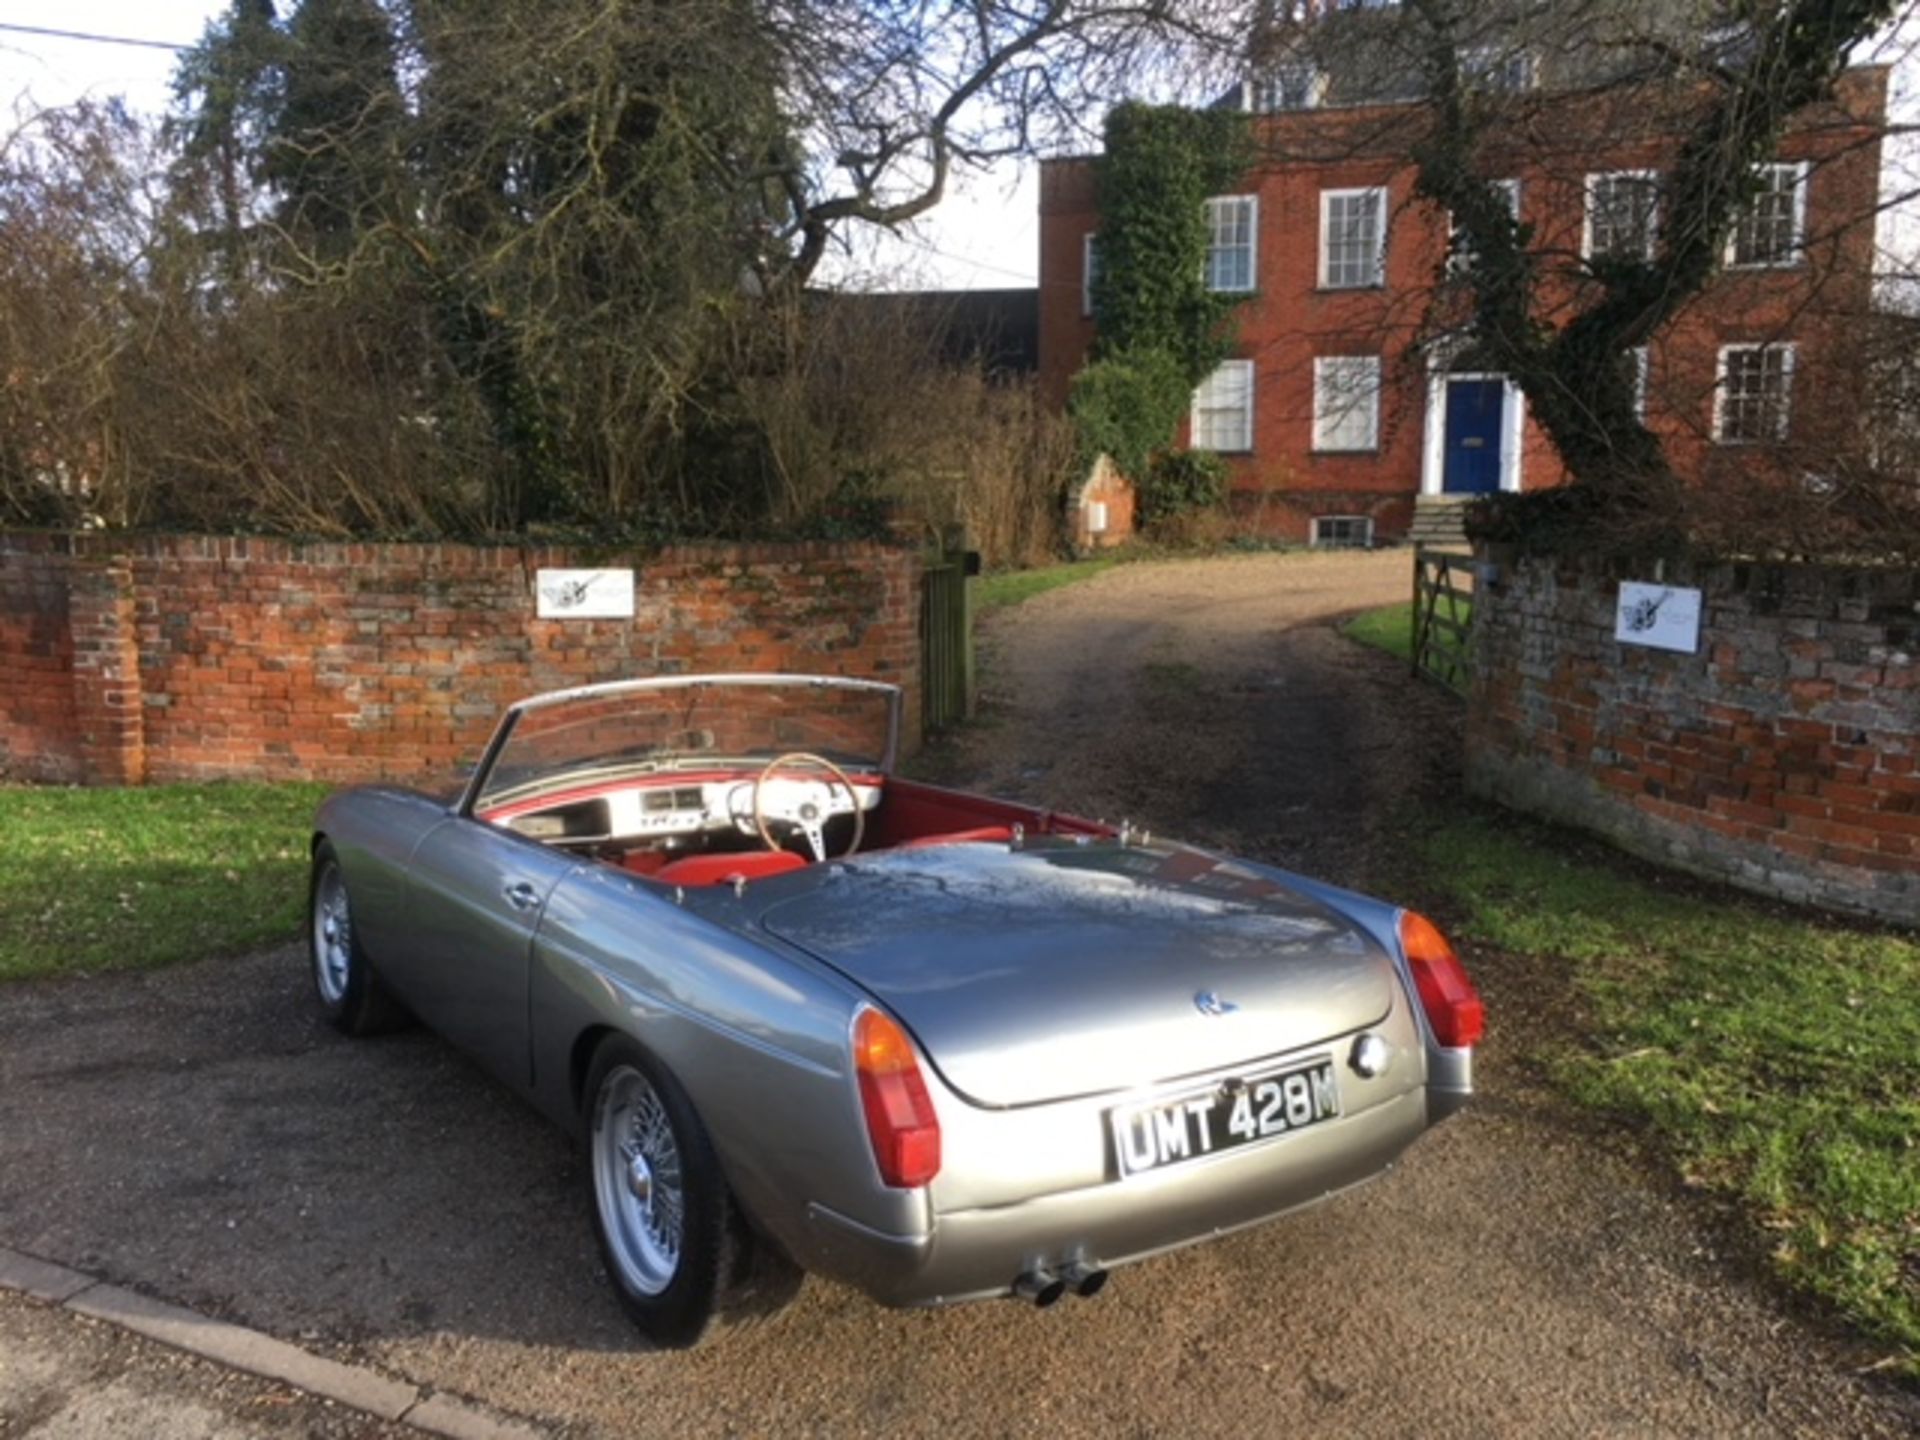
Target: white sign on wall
x=583 y=594
x=1662 y=617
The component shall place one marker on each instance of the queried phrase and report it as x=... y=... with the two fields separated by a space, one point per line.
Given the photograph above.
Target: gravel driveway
x=200 y=1134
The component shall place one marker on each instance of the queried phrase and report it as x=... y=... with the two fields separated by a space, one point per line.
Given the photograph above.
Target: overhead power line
x=93 y=39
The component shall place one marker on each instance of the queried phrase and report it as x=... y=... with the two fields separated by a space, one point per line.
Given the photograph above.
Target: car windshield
x=689 y=725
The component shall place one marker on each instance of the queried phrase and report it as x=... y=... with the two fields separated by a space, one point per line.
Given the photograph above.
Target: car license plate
x=1222 y=1117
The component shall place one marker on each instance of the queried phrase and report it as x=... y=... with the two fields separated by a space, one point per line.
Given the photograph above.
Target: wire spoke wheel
x=355 y=1001
x=332 y=936
x=638 y=1181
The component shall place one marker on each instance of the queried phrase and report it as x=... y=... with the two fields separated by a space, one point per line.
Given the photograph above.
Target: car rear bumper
x=977 y=1254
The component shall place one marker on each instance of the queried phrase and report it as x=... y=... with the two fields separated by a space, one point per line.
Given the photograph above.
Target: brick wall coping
x=84 y=544
x=1883 y=582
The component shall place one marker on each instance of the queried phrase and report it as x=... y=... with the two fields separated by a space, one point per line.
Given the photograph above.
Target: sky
x=983 y=236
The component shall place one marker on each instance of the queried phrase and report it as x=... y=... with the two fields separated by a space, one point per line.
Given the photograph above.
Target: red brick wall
x=173 y=658
x=1290 y=320
x=1784 y=757
x=39 y=735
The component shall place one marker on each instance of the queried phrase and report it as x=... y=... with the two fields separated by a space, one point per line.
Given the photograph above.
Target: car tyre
x=355 y=1001
x=677 y=1248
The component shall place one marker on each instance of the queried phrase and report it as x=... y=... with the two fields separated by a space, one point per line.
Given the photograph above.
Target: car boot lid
x=1063 y=968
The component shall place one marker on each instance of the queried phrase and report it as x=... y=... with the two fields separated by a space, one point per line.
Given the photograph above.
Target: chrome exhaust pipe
x=1084 y=1280
x=1042 y=1287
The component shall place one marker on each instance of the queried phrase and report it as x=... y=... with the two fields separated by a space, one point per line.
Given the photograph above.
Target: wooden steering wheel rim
x=833 y=770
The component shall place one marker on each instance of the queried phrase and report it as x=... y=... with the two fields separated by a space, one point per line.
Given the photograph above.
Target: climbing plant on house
x=1161 y=330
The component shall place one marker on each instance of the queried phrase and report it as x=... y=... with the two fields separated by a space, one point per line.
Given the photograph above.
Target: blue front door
x=1476 y=423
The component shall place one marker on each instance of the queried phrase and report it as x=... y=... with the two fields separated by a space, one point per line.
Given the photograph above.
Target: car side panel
x=474 y=897
x=374 y=830
x=758 y=1038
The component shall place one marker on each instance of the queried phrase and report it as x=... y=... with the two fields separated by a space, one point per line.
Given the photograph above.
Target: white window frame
x=1797 y=251
x=1313 y=533
x=1489 y=68
x=1088 y=258
x=1641 y=362
x=1730 y=46
x=1325 y=424
x=1252 y=204
x=1594 y=180
x=1262 y=92
x=1459 y=261
x=1783 y=418
x=1244 y=440
x=1327 y=199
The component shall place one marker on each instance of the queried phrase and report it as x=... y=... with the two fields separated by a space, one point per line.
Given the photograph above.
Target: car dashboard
x=679 y=808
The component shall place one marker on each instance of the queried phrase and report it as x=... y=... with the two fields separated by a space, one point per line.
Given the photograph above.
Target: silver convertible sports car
x=809 y=1016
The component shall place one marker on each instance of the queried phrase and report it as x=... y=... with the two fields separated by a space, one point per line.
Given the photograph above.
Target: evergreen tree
x=335 y=135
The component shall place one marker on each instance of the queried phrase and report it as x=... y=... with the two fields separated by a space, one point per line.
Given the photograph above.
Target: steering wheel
x=809 y=819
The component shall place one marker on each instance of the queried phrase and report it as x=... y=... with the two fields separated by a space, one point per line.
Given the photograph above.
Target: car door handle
x=521 y=895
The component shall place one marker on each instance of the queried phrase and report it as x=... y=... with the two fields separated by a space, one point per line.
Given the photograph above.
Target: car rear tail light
x=1453 y=1006
x=900 y=1119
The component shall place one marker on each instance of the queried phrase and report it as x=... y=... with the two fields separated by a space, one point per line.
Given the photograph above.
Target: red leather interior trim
x=718 y=869
x=913 y=810
x=959 y=837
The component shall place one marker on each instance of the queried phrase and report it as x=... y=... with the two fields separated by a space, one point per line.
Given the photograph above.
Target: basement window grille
x=1343 y=532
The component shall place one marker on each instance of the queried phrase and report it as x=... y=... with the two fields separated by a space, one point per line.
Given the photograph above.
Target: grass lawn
x=120 y=879
x=1774 y=1057
x=1389 y=628
x=1010 y=587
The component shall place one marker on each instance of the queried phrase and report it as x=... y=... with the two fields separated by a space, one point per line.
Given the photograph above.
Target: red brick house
x=1344 y=403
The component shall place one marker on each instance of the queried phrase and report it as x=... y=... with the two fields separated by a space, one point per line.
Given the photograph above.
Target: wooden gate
x=1443 y=583
x=946 y=635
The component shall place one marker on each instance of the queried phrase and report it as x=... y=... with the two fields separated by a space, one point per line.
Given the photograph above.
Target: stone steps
x=1438 y=520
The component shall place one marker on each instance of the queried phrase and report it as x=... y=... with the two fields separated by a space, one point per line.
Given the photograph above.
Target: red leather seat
x=721 y=869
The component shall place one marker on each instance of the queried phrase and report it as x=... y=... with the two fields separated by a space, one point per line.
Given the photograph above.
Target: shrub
x=1127 y=406
x=1176 y=482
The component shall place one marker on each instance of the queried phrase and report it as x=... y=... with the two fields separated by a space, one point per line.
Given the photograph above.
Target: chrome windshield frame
x=476 y=783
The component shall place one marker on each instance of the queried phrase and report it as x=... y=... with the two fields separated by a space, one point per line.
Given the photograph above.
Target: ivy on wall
x=1128 y=406
x=1161 y=330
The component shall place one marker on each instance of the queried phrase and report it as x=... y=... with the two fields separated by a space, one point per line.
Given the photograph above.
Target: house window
x=1495 y=70
x=1460 y=255
x=1772 y=227
x=1223 y=410
x=1342 y=532
x=1353 y=230
x=1346 y=402
x=1636 y=360
x=1752 y=398
x=1623 y=209
x=1291 y=85
x=1232 y=223
x=1729 y=46
x=1089 y=266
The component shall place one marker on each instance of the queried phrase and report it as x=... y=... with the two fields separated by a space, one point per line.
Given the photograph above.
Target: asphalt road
x=200 y=1134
